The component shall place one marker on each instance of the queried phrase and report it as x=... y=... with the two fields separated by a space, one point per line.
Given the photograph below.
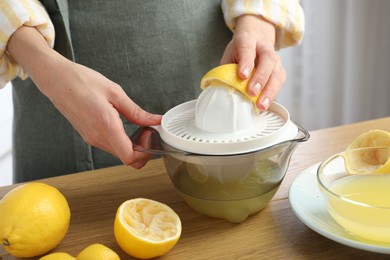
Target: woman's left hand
x=253 y=48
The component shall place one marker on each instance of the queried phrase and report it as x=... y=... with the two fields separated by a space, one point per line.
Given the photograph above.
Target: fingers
x=142 y=158
x=240 y=50
x=94 y=107
x=272 y=87
x=105 y=129
x=133 y=113
x=107 y=133
x=266 y=63
x=227 y=56
x=246 y=57
x=253 y=49
x=268 y=77
x=122 y=145
x=118 y=144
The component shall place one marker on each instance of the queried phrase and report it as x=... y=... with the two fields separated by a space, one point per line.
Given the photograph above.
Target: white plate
x=310 y=207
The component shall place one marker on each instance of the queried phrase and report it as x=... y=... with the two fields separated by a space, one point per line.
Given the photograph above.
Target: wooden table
x=273 y=233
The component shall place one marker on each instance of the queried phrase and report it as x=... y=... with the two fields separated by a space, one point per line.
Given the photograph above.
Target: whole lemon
x=58 y=256
x=34 y=218
x=97 y=252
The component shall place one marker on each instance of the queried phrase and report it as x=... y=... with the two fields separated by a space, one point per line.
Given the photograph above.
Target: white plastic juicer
x=225 y=158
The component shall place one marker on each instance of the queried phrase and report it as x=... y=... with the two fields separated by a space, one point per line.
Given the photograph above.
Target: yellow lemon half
x=375 y=160
x=34 y=218
x=58 y=256
x=97 y=252
x=226 y=75
x=146 y=228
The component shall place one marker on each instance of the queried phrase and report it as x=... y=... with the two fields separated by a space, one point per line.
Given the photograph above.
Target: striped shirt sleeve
x=14 y=14
x=286 y=15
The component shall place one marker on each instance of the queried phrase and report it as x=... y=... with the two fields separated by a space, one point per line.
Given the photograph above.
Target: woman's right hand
x=91 y=102
x=93 y=105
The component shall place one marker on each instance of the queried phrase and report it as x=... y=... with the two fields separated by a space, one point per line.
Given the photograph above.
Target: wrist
x=26 y=45
x=29 y=49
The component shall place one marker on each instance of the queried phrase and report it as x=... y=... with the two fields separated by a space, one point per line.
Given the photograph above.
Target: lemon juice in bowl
x=235 y=200
x=230 y=191
x=356 y=186
x=363 y=207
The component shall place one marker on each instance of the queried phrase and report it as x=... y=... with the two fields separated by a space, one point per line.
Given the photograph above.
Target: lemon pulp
x=146 y=228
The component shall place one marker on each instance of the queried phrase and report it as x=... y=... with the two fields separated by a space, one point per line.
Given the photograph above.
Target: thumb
x=135 y=114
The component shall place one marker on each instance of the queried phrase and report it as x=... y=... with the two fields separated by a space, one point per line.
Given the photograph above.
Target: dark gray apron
x=156 y=50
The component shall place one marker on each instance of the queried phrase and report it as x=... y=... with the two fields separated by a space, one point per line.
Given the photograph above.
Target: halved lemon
x=376 y=160
x=226 y=75
x=372 y=138
x=145 y=228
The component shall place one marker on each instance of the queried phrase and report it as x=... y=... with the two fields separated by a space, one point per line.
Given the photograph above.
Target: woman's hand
x=91 y=102
x=93 y=105
x=252 y=47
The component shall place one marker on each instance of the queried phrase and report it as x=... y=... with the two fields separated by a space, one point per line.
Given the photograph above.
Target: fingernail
x=265 y=102
x=246 y=71
x=255 y=89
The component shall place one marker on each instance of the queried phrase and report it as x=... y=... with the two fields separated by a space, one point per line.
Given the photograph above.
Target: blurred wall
x=340 y=73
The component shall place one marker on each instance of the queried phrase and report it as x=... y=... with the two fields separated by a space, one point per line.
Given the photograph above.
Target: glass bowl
x=357 y=196
x=232 y=187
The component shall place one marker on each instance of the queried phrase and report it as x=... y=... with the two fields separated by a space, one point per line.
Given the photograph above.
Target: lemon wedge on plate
x=376 y=160
x=145 y=228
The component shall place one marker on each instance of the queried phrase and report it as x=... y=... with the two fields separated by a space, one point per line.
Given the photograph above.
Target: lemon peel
x=361 y=161
x=371 y=138
x=226 y=75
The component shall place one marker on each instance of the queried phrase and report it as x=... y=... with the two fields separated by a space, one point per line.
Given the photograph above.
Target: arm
x=16 y=13
x=91 y=102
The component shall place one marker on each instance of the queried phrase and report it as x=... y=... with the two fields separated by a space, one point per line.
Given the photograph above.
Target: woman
x=71 y=118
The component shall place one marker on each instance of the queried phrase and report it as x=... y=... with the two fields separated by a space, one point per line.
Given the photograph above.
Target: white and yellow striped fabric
x=13 y=14
x=287 y=15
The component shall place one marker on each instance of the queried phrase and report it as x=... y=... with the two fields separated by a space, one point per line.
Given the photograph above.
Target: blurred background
x=340 y=74
x=6 y=115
